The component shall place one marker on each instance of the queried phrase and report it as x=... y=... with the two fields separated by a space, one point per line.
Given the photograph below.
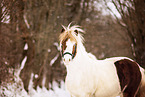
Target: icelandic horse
x=89 y=77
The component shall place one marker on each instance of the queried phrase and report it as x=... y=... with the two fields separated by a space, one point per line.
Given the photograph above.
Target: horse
x=89 y=77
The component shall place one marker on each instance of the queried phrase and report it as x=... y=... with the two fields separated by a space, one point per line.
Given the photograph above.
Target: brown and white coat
x=89 y=77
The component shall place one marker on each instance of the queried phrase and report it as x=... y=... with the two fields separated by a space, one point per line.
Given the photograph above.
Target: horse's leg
x=141 y=92
x=121 y=95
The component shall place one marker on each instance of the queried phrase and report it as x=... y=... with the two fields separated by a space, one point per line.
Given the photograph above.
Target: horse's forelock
x=69 y=33
x=65 y=36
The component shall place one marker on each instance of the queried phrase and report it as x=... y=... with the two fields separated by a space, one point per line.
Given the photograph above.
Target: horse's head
x=70 y=37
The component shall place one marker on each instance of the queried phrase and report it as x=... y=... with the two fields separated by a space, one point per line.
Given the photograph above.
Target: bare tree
x=133 y=20
x=11 y=42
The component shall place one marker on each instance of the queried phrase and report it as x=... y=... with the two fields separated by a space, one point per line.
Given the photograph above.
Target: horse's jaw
x=68 y=63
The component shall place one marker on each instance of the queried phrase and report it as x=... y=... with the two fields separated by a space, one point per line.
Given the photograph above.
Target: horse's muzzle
x=67 y=57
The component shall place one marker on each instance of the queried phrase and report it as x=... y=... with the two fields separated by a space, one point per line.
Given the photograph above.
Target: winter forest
x=30 y=60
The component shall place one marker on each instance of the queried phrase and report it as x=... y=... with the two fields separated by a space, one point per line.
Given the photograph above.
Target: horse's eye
x=76 y=31
x=62 y=30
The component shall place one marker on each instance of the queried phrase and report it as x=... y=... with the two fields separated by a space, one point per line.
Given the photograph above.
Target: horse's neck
x=81 y=53
x=82 y=61
x=81 y=50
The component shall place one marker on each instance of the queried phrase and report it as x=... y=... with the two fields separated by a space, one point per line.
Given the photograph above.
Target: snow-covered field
x=17 y=90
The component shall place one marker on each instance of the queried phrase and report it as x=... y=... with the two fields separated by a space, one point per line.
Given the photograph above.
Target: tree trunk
x=133 y=16
x=140 y=36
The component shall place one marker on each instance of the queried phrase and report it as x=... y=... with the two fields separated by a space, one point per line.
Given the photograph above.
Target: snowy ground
x=17 y=90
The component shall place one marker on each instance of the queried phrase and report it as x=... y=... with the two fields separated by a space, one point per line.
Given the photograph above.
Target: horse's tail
x=142 y=86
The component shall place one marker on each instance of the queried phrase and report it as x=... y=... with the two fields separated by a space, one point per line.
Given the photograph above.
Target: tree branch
x=118 y=20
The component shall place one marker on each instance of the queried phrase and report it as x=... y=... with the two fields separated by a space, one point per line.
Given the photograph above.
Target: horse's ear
x=76 y=31
x=62 y=30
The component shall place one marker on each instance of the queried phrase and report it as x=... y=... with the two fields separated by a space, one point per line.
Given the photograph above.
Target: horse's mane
x=69 y=33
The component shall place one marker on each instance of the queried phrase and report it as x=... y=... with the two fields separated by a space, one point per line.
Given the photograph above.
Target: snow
x=113 y=8
x=26 y=22
x=132 y=46
x=6 y=62
x=5 y=15
x=57 y=45
x=26 y=47
x=57 y=55
x=54 y=59
x=36 y=75
x=23 y=62
x=56 y=92
x=17 y=90
x=49 y=50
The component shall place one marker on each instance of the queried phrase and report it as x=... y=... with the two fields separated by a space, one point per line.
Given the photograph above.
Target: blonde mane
x=69 y=33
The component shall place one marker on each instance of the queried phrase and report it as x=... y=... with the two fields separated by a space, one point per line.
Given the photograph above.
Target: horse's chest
x=81 y=85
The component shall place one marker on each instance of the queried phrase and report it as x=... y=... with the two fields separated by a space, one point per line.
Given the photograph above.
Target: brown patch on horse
x=129 y=76
x=74 y=50
x=64 y=45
